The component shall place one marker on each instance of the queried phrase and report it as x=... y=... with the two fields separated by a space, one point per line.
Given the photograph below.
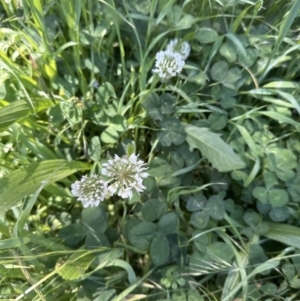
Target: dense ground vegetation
x=217 y=216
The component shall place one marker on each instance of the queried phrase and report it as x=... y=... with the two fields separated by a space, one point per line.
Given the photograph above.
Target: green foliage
x=219 y=216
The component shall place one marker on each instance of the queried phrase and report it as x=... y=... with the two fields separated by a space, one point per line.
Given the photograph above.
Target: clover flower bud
x=89 y=190
x=124 y=175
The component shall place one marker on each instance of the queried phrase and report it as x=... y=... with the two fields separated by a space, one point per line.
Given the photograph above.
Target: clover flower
x=182 y=48
x=168 y=64
x=89 y=190
x=124 y=175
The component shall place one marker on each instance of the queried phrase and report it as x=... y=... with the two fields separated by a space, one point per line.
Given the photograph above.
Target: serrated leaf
x=29 y=179
x=219 y=153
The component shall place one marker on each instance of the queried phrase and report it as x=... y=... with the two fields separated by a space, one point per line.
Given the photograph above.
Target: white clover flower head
x=183 y=48
x=125 y=175
x=89 y=190
x=168 y=64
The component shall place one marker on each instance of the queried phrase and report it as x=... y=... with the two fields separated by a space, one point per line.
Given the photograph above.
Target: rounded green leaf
x=261 y=193
x=228 y=102
x=228 y=50
x=172 y=132
x=233 y=75
x=248 y=58
x=153 y=209
x=94 y=149
x=279 y=214
x=219 y=252
x=251 y=218
x=140 y=235
x=152 y=104
x=217 y=121
x=215 y=207
x=72 y=234
x=196 y=203
x=201 y=241
x=96 y=218
x=206 y=35
x=110 y=135
x=199 y=219
x=278 y=197
x=159 y=249
x=219 y=71
x=269 y=289
x=119 y=123
x=168 y=223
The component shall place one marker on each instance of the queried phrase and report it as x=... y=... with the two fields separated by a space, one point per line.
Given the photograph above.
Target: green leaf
x=279 y=214
x=94 y=149
x=95 y=240
x=96 y=218
x=72 y=234
x=168 y=223
x=233 y=75
x=76 y=266
x=19 y=109
x=228 y=50
x=29 y=179
x=219 y=252
x=119 y=123
x=199 y=219
x=269 y=289
x=168 y=103
x=206 y=35
x=201 y=241
x=217 y=121
x=172 y=132
x=261 y=193
x=215 y=207
x=270 y=179
x=219 y=71
x=105 y=295
x=105 y=92
x=152 y=104
x=196 y=202
x=110 y=135
x=248 y=58
x=141 y=235
x=251 y=218
x=153 y=209
x=220 y=154
x=159 y=249
x=286 y=234
x=278 y=197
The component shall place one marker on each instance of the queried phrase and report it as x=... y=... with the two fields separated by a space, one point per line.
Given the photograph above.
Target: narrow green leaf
x=30 y=178
x=286 y=234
